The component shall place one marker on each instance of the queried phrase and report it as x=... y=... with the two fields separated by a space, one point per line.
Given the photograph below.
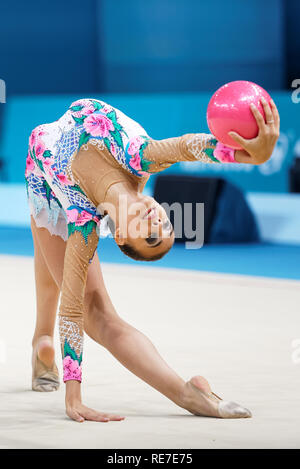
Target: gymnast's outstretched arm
x=206 y=148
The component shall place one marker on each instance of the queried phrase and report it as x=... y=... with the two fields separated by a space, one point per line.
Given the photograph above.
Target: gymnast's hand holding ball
x=242 y=115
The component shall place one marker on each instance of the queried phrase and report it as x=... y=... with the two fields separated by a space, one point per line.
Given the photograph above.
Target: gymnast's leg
x=132 y=348
x=136 y=352
x=44 y=371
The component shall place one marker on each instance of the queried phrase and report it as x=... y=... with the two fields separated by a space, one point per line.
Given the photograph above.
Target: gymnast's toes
x=201 y=401
x=45 y=384
x=45 y=379
x=45 y=376
x=232 y=410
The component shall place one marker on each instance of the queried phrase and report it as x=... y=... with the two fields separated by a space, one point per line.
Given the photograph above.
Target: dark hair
x=134 y=254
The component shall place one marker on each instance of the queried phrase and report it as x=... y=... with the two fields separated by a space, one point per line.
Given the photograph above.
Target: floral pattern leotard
x=49 y=181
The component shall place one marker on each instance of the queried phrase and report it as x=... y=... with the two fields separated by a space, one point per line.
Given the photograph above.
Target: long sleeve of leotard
x=189 y=147
x=79 y=253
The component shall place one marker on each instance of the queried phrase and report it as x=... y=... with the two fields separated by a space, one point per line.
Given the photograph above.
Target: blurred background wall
x=159 y=61
x=99 y=46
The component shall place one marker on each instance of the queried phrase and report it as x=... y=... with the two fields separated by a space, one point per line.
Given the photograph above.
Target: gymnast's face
x=149 y=230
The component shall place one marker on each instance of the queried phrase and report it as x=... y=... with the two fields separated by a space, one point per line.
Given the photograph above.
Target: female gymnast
x=93 y=163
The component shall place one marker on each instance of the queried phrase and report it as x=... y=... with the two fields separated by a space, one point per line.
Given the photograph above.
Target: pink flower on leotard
x=47 y=163
x=113 y=149
x=79 y=102
x=72 y=369
x=105 y=109
x=98 y=125
x=72 y=215
x=35 y=134
x=224 y=154
x=63 y=179
x=135 y=162
x=83 y=217
x=80 y=218
x=88 y=108
x=32 y=139
x=39 y=149
x=134 y=145
x=29 y=165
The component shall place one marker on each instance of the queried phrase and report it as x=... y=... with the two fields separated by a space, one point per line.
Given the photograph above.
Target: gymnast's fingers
x=243 y=157
x=258 y=117
x=74 y=415
x=114 y=418
x=93 y=415
x=238 y=138
x=268 y=112
x=276 y=116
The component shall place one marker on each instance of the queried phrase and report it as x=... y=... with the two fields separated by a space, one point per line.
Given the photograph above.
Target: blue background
x=159 y=61
x=146 y=46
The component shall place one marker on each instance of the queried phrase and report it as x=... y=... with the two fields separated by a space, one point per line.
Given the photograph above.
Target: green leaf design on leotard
x=69 y=351
x=71 y=229
x=32 y=154
x=76 y=108
x=113 y=117
x=40 y=165
x=79 y=120
x=117 y=137
x=210 y=153
x=85 y=229
x=84 y=138
x=120 y=128
x=144 y=162
x=26 y=185
x=36 y=160
x=107 y=143
x=47 y=154
x=78 y=189
x=96 y=105
x=58 y=202
x=47 y=190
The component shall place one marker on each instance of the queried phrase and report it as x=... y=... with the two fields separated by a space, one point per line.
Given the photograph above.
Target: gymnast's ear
x=120 y=240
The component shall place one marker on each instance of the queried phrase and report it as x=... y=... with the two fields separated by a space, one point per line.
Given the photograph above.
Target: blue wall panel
x=49 y=46
x=141 y=46
x=292 y=40
x=164 y=45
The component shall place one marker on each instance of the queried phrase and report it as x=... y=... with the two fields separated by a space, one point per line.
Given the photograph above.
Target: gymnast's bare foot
x=200 y=400
x=45 y=377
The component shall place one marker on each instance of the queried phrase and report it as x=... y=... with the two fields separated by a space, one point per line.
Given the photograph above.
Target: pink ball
x=229 y=110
